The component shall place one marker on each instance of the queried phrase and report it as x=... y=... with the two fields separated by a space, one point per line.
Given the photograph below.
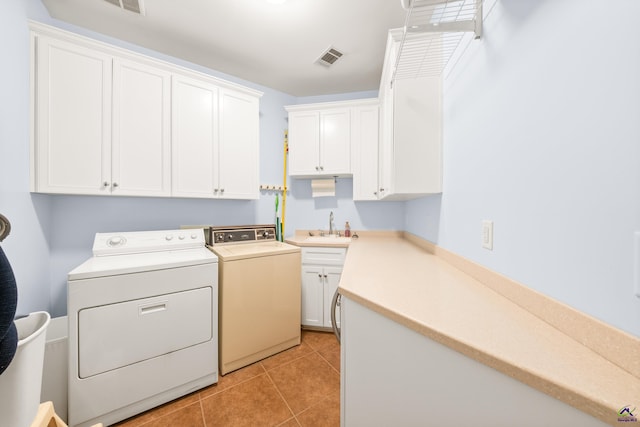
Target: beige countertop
x=420 y=290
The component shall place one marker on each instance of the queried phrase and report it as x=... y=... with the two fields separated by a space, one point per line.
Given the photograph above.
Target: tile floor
x=298 y=387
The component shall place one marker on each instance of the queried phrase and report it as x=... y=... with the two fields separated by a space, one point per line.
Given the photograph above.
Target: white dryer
x=143 y=323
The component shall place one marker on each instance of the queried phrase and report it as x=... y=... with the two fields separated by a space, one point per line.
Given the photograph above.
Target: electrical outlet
x=487 y=234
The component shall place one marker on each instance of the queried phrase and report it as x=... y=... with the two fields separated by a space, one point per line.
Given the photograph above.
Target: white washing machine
x=143 y=323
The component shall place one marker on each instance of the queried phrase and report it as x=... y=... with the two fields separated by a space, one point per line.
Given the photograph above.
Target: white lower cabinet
x=321 y=271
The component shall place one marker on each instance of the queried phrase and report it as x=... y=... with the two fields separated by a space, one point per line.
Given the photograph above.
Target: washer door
x=117 y=335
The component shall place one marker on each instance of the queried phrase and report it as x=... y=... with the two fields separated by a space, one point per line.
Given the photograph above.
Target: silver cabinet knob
x=321 y=168
x=215 y=190
x=115 y=184
x=105 y=184
x=320 y=276
x=222 y=190
x=317 y=168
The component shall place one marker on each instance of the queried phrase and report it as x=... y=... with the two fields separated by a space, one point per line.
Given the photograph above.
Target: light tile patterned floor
x=298 y=387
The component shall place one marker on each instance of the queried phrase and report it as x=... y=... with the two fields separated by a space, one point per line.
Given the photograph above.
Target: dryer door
x=116 y=335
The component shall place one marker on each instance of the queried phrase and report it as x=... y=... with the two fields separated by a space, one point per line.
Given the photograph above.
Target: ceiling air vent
x=329 y=57
x=135 y=6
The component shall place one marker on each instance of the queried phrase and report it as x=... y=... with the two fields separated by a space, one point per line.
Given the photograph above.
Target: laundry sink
x=328 y=240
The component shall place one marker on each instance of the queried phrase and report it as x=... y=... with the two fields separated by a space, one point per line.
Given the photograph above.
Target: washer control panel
x=257 y=233
x=147 y=241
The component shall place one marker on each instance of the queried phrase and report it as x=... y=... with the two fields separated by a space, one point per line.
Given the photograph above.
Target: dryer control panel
x=147 y=241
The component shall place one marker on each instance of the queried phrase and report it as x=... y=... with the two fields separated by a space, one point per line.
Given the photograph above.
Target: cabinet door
x=331 y=277
x=239 y=145
x=141 y=162
x=364 y=144
x=73 y=119
x=312 y=296
x=385 y=153
x=335 y=141
x=417 y=137
x=304 y=142
x=194 y=137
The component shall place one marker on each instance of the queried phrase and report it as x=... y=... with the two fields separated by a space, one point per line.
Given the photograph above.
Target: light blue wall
x=542 y=136
x=52 y=234
x=28 y=245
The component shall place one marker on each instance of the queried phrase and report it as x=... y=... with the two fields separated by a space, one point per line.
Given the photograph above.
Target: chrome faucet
x=331 y=231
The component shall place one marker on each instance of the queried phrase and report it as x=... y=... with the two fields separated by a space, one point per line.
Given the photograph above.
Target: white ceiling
x=275 y=45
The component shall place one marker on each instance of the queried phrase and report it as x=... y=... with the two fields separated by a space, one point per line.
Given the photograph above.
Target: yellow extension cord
x=284 y=182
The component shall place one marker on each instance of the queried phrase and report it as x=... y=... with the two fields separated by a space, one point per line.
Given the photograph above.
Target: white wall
x=542 y=136
x=53 y=233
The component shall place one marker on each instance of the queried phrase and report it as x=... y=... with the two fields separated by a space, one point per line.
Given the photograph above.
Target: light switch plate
x=487 y=234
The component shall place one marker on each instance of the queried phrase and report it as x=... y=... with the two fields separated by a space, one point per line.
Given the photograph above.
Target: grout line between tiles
x=328 y=363
x=204 y=420
x=281 y=396
x=289 y=361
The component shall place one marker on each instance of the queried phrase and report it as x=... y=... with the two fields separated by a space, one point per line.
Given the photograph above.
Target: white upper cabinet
x=304 y=143
x=410 y=160
x=215 y=141
x=194 y=138
x=239 y=146
x=141 y=147
x=364 y=144
x=335 y=142
x=320 y=139
x=112 y=122
x=73 y=128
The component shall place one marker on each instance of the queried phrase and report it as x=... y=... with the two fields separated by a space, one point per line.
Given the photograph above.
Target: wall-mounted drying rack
x=432 y=32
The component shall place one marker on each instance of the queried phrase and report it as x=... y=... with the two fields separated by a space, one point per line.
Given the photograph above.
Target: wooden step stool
x=47 y=417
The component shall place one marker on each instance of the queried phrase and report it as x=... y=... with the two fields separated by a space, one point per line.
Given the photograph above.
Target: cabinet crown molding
x=333 y=104
x=40 y=29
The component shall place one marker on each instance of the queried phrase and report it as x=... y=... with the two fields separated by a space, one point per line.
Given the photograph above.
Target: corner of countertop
x=615 y=345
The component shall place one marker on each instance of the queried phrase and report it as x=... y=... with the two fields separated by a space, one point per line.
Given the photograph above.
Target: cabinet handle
x=221 y=190
x=375 y=193
x=115 y=184
x=105 y=184
x=382 y=190
x=325 y=276
x=320 y=276
x=317 y=168
x=215 y=190
x=321 y=168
